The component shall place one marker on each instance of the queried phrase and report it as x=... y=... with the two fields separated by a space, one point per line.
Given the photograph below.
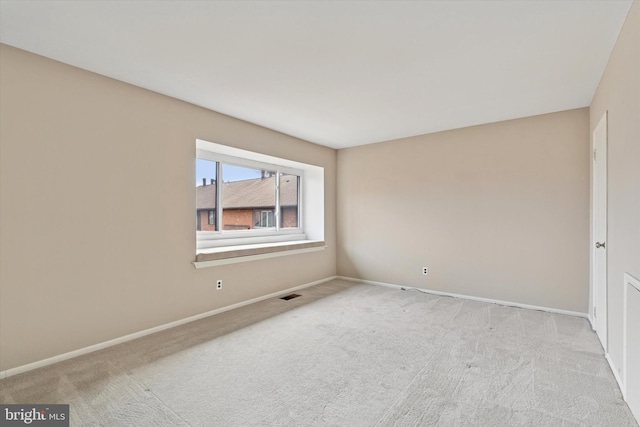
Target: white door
x=600 y=229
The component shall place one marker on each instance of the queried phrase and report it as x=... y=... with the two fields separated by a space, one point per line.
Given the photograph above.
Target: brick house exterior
x=247 y=203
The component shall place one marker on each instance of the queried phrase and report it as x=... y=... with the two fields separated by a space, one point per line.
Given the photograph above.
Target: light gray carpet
x=344 y=354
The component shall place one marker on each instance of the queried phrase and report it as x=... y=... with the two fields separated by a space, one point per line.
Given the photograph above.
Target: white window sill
x=233 y=254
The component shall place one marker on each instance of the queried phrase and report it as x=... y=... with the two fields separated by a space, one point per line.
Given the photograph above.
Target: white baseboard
x=616 y=375
x=469 y=297
x=130 y=337
x=592 y=321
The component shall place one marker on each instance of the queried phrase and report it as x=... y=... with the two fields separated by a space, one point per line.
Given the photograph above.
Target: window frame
x=221 y=237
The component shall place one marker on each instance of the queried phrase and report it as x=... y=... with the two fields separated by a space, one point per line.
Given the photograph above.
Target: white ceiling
x=337 y=73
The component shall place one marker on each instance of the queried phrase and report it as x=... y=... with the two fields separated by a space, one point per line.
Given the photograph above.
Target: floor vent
x=288 y=297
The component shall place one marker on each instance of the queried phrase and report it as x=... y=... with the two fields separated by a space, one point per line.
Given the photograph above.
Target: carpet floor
x=344 y=354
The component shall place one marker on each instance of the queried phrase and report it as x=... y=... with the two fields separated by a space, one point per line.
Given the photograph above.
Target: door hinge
x=595 y=311
x=594 y=155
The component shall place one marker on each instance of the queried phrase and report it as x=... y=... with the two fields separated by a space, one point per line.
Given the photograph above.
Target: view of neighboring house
x=248 y=204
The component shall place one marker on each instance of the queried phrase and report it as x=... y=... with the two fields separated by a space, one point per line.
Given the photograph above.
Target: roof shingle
x=249 y=194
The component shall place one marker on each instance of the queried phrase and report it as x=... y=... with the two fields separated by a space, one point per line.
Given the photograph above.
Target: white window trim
x=310 y=197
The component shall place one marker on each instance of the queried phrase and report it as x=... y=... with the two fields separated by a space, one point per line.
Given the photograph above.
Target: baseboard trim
x=592 y=321
x=469 y=297
x=616 y=375
x=90 y=349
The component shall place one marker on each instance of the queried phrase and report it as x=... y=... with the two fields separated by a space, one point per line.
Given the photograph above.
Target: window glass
x=245 y=191
x=206 y=172
x=289 y=194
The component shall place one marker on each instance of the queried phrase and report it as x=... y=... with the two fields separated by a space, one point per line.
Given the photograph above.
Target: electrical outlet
x=218 y=284
x=425 y=271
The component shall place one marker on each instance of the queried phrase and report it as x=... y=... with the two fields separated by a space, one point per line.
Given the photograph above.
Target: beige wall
x=619 y=94
x=84 y=160
x=496 y=211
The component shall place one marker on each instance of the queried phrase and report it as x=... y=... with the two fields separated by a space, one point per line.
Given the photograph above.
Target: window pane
x=289 y=200
x=205 y=194
x=266 y=219
x=246 y=193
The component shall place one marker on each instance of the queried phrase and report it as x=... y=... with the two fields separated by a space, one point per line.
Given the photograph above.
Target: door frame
x=597 y=288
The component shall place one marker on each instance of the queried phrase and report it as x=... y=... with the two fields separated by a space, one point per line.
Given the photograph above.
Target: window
x=264 y=219
x=246 y=198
